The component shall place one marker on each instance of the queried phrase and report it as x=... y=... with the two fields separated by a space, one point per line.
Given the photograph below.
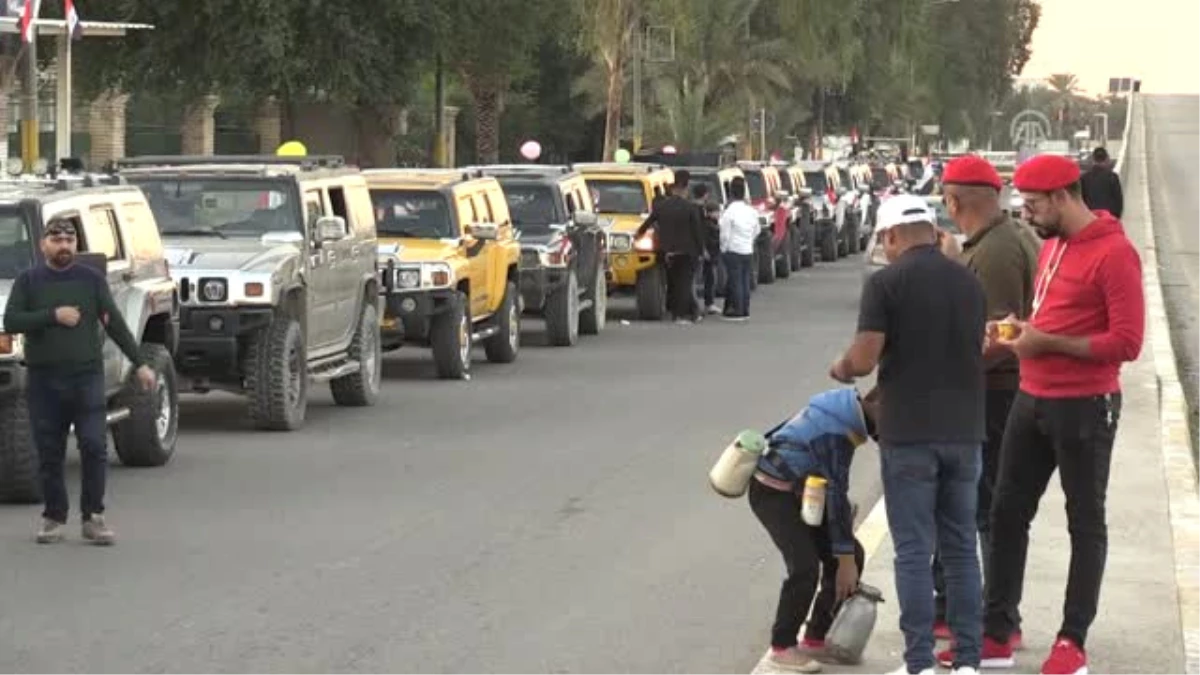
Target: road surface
x=1173 y=162
x=552 y=515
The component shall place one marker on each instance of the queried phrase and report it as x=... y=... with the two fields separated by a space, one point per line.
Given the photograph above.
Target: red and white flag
x=74 y=25
x=29 y=15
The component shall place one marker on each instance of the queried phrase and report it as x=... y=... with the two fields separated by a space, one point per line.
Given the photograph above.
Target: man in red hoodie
x=1088 y=318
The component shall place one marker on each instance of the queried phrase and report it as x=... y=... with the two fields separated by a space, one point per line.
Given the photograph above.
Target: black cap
x=59 y=228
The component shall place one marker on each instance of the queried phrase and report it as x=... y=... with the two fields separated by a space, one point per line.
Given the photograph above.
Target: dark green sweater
x=38 y=292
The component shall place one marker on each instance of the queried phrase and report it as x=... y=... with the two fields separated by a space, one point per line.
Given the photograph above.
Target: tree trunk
x=485 y=94
x=612 y=111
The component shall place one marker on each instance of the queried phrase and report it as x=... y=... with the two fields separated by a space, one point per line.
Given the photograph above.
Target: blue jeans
x=56 y=401
x=931 y=491
x=737 y=293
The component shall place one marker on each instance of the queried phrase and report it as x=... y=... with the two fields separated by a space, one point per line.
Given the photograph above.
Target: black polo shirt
x=932 y=311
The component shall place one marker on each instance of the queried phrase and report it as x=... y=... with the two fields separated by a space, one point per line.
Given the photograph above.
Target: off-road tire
x=504 y=345
x=651 y=288
x=19 y=482
x=783 y=261
x=138 y=439
x=268 y=375
x=361 y=389
x=562 y=313
x=754 y=269
x=766 y=265
x=795 y=244
x=447 y=331
x=808 y=255
x=593 y=319
x=829 y=245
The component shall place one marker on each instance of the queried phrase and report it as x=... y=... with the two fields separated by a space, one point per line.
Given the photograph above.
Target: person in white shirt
x=739 y=228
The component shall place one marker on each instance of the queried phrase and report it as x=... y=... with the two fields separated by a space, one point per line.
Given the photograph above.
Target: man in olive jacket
x=1003 y=255
x=64 y=309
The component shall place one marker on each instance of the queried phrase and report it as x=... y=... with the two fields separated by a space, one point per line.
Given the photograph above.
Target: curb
x=1179 y=473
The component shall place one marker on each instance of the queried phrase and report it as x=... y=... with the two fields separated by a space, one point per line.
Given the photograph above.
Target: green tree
x=607 y=29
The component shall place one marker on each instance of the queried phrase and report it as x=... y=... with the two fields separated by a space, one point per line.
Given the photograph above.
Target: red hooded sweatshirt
x=1088 y=285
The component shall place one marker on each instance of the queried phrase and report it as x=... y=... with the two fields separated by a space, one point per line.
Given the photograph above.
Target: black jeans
x=708 y=272
x=779 y=513
x=56 y=401
x=1074 y=435
x=681 y=294
x=737 y=291
x=998 y=405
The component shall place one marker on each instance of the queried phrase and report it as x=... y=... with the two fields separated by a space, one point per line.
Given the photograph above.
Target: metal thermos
x=847 y=638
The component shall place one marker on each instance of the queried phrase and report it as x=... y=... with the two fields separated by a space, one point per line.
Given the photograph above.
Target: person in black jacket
x=680 y=243
x=709 y=212
x=1101 y=185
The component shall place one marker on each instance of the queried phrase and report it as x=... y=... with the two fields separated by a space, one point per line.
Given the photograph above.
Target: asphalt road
x=552 y=515
x=1173 y=162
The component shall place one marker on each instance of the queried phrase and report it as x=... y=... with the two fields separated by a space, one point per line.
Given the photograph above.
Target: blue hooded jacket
x=820 y=440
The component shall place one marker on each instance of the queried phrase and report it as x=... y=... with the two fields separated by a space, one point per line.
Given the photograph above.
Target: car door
x=483 y=263
x=320 y=274
x=344 y=284
x=469 y=216
x=101 y=234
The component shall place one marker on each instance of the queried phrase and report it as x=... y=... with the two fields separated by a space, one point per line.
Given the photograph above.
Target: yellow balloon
x=292 y=149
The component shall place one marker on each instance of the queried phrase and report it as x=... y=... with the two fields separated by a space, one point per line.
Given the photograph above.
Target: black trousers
x=681 y=295
x=1075 y=436
x=805 y=552
x=998 y=405
x=708 y=273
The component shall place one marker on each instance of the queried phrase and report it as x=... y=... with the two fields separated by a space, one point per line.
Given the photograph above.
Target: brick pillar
x=268 y=124
x=106 y=126
x=198 y=128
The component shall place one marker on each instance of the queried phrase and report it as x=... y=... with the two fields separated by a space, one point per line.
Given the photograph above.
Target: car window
x=619 y=196
x=102 y=235
x=141 y=234
x=423 y=214
x=16 y=249
x=785 y=181
x=756 y=186
x=531 y=207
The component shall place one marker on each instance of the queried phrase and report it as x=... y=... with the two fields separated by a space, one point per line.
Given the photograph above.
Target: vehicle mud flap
x=652 y=293
x=148 y=436
x=19 y=482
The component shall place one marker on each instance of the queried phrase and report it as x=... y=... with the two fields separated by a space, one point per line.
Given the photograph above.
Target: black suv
x=564 y=250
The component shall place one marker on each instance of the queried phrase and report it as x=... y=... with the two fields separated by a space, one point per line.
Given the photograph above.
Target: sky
x=1156 y=40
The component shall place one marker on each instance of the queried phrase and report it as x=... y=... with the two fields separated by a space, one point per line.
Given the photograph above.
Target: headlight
x=407 y=279
x=214 y=290
x=645 y=243
x=620 y=243
x=10 y=345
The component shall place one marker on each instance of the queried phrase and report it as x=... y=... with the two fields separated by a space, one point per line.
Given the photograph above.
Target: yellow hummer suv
x=624 y=194
x=448 y=261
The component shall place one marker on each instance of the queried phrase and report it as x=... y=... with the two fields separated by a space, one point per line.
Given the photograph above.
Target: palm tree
x=1066 y=87
x=608 y=32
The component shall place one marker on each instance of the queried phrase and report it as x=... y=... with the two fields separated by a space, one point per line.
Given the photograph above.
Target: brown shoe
x=95 y=531
x=51 y=532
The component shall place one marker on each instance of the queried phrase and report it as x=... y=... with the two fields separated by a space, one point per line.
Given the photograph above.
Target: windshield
x=755 y=185
x=709 y=181
x=816 y=180
x=531 y=207
x=16 y=253
x=619 y=196
x=220 y=207
x=421 y=214
x=785 y=182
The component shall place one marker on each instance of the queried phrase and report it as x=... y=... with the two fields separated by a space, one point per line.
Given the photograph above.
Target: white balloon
x=531 y=150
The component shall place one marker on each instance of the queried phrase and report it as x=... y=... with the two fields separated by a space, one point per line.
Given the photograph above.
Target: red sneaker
x=992 y=655
x=1066 y=658
x=941 y=631
x=811 y=647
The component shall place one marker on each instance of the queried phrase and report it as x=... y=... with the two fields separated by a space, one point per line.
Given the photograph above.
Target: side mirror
x=330 y=228
x=484 y=231
x=585 y=219
x=96 y=261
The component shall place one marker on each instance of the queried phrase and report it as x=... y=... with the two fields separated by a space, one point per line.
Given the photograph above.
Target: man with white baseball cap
x=922 y=321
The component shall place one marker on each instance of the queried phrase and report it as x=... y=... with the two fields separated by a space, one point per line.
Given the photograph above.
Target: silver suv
x=276 y=265
x=117 y=236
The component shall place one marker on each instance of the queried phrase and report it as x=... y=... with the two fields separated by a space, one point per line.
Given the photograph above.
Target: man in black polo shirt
x=680 y=243
x=922 y=321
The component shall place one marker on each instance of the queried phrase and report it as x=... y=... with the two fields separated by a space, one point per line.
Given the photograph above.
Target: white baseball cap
x=904 y=210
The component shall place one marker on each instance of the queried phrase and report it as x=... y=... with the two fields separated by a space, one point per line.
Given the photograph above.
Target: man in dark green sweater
x=64 y=309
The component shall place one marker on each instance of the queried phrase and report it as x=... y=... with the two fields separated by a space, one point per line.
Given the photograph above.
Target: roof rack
x=628 y=167
x=491 y=169
x=307 y=162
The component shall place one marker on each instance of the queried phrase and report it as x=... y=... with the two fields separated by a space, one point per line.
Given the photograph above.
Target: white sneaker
x=903 y=670
x=964 y=670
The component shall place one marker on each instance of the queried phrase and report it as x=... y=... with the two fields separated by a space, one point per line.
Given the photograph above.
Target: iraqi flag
x=29 y=15
x=74 y=25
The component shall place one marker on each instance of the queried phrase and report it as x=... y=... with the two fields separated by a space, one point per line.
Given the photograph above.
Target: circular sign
x=1029 y=129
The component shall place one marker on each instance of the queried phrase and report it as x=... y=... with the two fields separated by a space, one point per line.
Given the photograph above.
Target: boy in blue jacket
x=820 y=440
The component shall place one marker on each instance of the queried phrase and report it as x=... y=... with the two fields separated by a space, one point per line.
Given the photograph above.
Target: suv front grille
x=530 y=259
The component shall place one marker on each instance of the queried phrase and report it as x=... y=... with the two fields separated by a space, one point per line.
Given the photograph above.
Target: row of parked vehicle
x=265 y=276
